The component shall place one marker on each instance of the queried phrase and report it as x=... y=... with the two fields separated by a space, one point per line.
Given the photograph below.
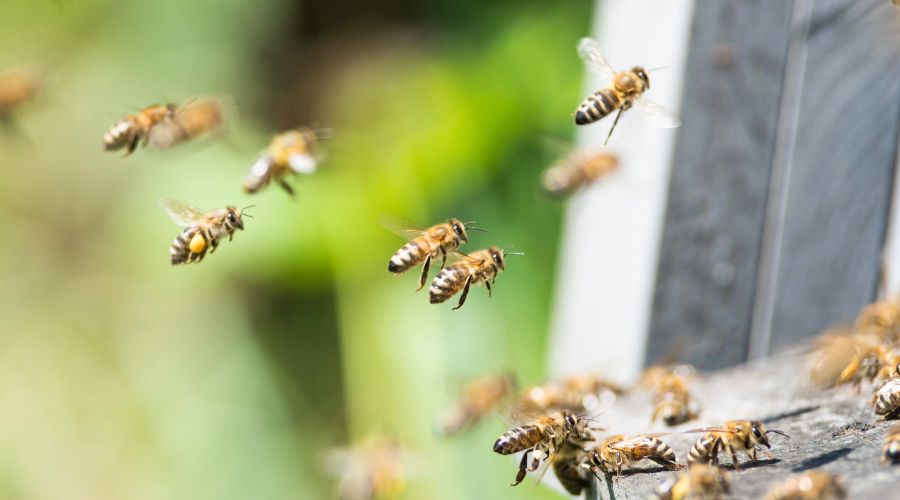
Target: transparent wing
x=641 y=443
x=657 y=115
x=183 y=214
x=401 y=226
x=590 y=53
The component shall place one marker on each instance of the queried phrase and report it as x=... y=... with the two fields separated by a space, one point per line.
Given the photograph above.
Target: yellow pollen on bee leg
x=198 y=243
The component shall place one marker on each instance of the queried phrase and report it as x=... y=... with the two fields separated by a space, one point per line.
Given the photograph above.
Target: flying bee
x=479 y=398
x=374 y=469
x=890 y=452
x=291 y=152
x=17 y=86
x=129 y=131
x=734 y=436
x=699 y=482
x=576 y=170
x=871 y=363
x=672 y=402
x=476 y=268
x=188 y=121
x=202 y=231
x=882 y=319
x=427 y=244
x=575 y=393
x=625 y=90
x=886 y=400
x=620 y=451
x=543 y=438
x=814 y=484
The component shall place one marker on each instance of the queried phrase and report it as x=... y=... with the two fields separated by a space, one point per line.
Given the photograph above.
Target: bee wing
x=656 y=114
x=590 y=53
x=638 y=445
x=707 y=429
x=400 y=226
x=183 y=214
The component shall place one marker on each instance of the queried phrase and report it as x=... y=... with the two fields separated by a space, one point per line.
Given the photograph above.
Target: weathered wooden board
x=825 y=242
x=719 y=186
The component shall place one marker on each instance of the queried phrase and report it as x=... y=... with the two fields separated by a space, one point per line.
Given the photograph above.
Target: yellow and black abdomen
x=447 y=283
x=518 y=439
x=189 y=246
x=409 y=255
x=596 y=106
x=704 y=450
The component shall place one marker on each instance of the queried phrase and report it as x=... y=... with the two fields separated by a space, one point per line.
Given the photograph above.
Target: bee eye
x=231 y=217
x=458 y=229
x=756 y=431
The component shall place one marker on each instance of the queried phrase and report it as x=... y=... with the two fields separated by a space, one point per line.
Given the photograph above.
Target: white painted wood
x=612 y=230
x=891 y=265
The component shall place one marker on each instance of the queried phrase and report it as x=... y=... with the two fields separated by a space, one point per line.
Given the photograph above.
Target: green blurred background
x=123 y=377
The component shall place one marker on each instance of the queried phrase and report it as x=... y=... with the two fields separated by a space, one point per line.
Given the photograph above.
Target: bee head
x=758 y=433
x=234 y=218
x=570 y=421
x=460 y=229
x=642 y=74
x=497 y=257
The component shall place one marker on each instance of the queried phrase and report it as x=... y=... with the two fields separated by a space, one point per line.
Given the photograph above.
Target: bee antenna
x=473 y=228
x=657 y=68
x=243 y=211
x=513 y=253
x=780 y=433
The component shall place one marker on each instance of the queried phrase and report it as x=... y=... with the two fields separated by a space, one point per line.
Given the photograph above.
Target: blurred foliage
x=125 y=378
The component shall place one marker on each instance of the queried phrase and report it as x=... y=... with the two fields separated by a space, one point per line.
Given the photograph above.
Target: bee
x=292 y=152
x=373 y=469
x=202 y=231
x=871 y=363
x=882 y=319
x=17 y=86
x=619 y=451
x=427 y=244
x=190 y=120
x=542 y=438
x=481 y=266
x=814 y=484
x=699 y=482
x=568 y=471
x=625 y=90
x=129 y=131
x=886 y=400
x=479 y=398
x=576 y=170
x=575 y=393
x=673 y=402
x=743 y=435
x=890 y=452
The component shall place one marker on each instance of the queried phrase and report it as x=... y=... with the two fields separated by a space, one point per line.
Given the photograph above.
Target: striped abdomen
x=409 y=255
x=569 y=475
x=518 y=439
x=887 y=399
x=596 y=106
x=704 y=450
x=447 y=283
x=181 y=248
x=120 y=134
x=662 y=452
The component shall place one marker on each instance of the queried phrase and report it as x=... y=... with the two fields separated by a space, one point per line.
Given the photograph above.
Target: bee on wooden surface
x=886 y=400
x=871 y=363
x=202 y=230
x=188 y=121
x=698 y=482
x=734 y=436
x=291 y=152
x=890 y=452
x=625 y=90
x=814 y=484
x=17 y=87
x=652 y=376
x=566 y=466
x=620 y=451
x=373 y=469
x=479 y=398
x=129 y=131
x=672 y=402
x=542 y=438
x=579 y=393
x=579 y=168
x=427 y=244
x=476 y=268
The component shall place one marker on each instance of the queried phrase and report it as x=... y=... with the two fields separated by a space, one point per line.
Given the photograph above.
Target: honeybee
x=374 y=469
x=129 y=131
x=882 y=319
x=202 y=231
x=575 y=393
x=188 y=121
x=479 y=398
x=481 y=266
x=566 y=466
x=735 y=435
x=698 y=482
x=625 y=90
x=291 y=152
x=17 y=86
x=427 y=244
x=618 y=451
x=543 y=438
x=890 y=452
x=673 y=402
x=576 y=170
x=886 y=400
x=814 y=484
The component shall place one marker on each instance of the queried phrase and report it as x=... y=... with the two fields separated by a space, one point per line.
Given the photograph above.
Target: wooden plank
x=718 y=190
x=826 y=243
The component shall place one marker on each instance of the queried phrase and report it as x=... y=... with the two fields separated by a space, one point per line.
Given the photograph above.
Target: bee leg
x=132 y=144
x=616 y=121
x=462 y=298
x=287 y=187
x=424 y=276
x=714 y=453
x=523 y=467
x=488 y=285
x=734 y=458
x=443 y=256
